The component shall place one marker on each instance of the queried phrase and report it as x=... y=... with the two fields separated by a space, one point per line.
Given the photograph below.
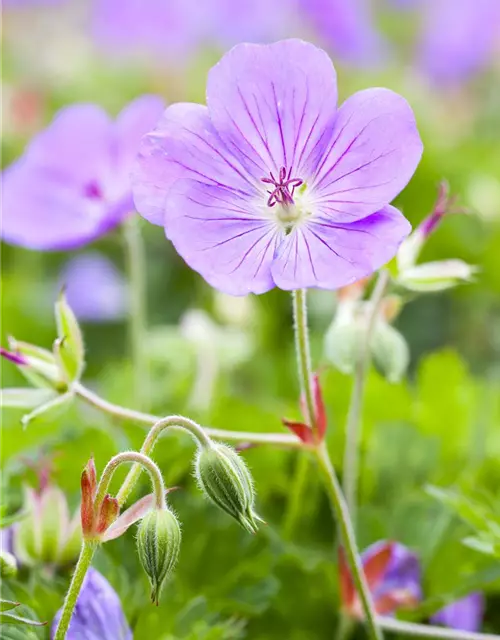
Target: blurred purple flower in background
x=131 y=28
x=95 y=289
x=465 y=614
x=98 y=613
x=72 y=183
x=458 y=37
x=347 y=28
x=392 y=573
x=270 y=184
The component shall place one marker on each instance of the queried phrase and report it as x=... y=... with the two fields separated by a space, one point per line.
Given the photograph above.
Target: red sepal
x=108 y=513
x=319 y=406
x=300 y=429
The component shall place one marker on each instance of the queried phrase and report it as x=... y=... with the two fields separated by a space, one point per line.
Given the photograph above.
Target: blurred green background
x=441 y=426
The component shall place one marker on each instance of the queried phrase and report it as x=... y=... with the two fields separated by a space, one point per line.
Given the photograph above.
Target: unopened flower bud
x=69 y=350
x=436 y=276
x=8 y=565
x=158 y=545
x=46 y=534
x=343 y=342
x=224 y=477
x=390 y=351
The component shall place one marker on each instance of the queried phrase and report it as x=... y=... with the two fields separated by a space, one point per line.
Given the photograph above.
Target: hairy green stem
x=173 y=422
x=136 y=265
x=337 y=500
x=350 y=477
x=278 y=439
x=141 y=460
x=82 y=566
x=430 y=631
x=341 y=513
x=304 y=355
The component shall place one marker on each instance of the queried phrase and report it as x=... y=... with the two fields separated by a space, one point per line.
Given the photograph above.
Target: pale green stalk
x=82 y=566
x=137 y=277
x=350 y=477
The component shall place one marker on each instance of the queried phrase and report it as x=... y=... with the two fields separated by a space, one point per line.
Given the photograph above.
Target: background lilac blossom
x=95 y=289
x=72 y=183
x=202 y=173
x=98 y=613
x=465 y=614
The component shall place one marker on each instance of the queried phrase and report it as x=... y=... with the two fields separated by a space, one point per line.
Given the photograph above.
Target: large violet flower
x=271 y=184
x=465 y=614
x=393 y=575
x=98 y=613
x=73 y=182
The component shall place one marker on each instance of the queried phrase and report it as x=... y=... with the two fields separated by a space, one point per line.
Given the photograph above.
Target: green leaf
x=25 y=398
x=50 y=410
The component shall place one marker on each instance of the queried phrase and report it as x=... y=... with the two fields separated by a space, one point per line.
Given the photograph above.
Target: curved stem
x=350 y=470
x=341 y=512
x=303 y=354
x=82 y=566
x=143 y=461
x=430 y=631
x=123 y=413
x=175 y=422
x=136 y=266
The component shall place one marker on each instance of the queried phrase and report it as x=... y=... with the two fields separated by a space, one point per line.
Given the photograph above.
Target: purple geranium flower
x=465 y=614
x=73 y=182
x=95 y=289
x=271 y=184
x=347 y=28
x=392 y=573
x=458 y=37
x=98 y=613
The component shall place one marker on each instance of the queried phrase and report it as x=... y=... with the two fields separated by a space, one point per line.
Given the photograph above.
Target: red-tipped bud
x=88 y=486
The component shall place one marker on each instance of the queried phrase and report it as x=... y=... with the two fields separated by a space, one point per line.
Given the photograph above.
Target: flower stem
x=337 y=500
x=429 y=631
x=123 y=413
x=175 y=422
x=341 y=512
x=352 y=432
x=136 y=264
x=303 y=354
x=139 y=459
x=345 y=627
x=82 y=566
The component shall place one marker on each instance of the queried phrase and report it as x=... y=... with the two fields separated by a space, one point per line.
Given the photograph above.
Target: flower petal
x=183 y=144
x=327 y=255
x=134 y=121
x=273 y=105
x=465 y=614
x=373 y=153
x=222 y=235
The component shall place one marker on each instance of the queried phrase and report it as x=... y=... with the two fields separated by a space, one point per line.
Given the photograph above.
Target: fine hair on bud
x=158 y=545
x=224 y=477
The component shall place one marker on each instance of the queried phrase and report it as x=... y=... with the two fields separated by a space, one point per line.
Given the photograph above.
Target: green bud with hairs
x=158 y=545
x=224 y=477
